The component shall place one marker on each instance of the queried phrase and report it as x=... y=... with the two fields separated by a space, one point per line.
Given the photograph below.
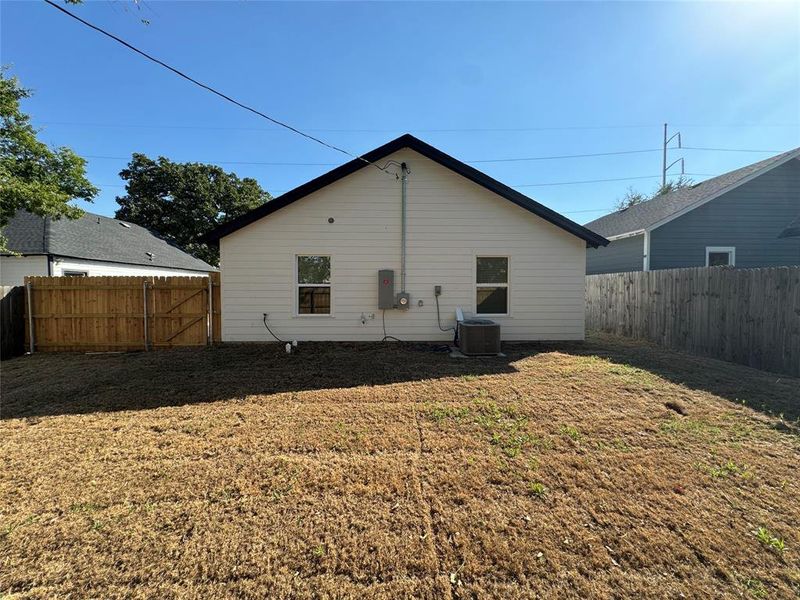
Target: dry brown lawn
x=393 y=471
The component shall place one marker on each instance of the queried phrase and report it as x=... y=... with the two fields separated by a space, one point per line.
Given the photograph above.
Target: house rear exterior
x=92 y=245
x=742 y=218
x=315 y=259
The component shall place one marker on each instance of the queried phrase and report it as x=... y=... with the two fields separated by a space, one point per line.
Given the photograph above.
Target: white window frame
x=731 y=250
x=74 y=273
x=297 y=285
x=477 y=285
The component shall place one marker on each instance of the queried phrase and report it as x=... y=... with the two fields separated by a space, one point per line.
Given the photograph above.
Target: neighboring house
x=311 y=258
x=742 y=218
x=89 y=246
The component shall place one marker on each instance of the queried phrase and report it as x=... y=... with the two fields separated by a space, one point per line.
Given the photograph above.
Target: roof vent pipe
x=404 y=185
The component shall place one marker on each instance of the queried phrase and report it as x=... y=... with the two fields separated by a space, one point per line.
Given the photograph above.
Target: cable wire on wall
x=387 y=337
x=271 y=332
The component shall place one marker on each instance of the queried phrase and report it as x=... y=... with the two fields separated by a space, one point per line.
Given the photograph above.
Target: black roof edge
x=407 y=140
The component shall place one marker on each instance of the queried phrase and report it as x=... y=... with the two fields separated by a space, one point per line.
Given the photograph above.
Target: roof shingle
x=644 y=215
x=95 y=237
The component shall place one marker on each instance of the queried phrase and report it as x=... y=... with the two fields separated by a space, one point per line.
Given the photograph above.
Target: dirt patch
x=678 y=406
x=391 y=471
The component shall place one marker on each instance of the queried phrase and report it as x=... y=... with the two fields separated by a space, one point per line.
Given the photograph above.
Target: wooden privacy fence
x=121 y=313
x=12 y=311
x=747 y=316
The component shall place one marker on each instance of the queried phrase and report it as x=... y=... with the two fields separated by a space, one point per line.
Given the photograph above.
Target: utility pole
x=664 y=166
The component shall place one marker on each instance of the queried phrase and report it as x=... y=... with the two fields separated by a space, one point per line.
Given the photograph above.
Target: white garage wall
x=104 y=269
x=450 y=221
x=13 y=269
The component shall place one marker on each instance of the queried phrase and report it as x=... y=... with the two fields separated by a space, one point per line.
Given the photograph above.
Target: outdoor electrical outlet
x=437 y=290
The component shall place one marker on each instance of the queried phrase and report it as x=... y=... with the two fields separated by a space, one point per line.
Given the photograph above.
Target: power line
x=519 y=185
x=737 y=125
x=487 y=160
x=480 y=161
x=229 y=162
x=573 y=212
x=412 y=129
x=530 y=158
x=584 y=181
x=732 y=150
x=207 y=87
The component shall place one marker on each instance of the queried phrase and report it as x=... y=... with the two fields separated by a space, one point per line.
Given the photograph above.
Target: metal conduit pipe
x=404 y=186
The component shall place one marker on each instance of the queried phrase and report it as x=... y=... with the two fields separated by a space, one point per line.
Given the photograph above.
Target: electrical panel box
x=386 y=288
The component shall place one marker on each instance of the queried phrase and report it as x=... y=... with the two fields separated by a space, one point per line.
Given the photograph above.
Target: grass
x=392 y=471
x=538 y=489
x=768 y=540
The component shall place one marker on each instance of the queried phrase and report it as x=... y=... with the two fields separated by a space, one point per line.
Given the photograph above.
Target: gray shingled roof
x=96 y=237
x=646 y=214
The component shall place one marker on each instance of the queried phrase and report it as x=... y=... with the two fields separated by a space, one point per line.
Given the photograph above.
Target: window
x=313 y=285
x=720 y=256
x=491 y=279
x=75 y=274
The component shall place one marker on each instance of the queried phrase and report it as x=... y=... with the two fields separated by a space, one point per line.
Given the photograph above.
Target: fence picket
x=748 y=316
x=107 y=313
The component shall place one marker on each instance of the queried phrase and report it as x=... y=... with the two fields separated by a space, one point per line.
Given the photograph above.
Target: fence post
x=144 y=306
x=28 y=296
x=210 y=310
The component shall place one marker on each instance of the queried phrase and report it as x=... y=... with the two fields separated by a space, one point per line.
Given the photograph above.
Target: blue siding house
x=746 y=218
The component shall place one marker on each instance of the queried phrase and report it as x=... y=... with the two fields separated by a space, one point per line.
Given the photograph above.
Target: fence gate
x=121 y=313
x=12 y=321
x=176 y=314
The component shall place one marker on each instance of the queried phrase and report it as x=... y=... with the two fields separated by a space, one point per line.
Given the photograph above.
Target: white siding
x=13 y=269
x=450 y=221
x=95 y=268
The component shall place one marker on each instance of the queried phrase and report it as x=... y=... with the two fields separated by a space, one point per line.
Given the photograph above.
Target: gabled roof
x=95 y=237
x=407 y=141
x=650 y=214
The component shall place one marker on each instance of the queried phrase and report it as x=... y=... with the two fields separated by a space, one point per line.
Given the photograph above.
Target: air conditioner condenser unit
x=478 y=336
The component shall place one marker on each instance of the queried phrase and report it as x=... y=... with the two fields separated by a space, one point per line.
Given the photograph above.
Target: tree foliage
x=675 y=184
x=33 y=176
x=633 y=197
x=184 y=201
x=136 y=3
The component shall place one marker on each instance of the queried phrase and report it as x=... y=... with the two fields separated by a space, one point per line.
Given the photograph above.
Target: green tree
x=633 y=197
x=674 y=185
x=33 y=176
x=184 y=201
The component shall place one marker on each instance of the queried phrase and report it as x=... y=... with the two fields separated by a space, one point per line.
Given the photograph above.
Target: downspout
x=646 y=262
x=404 y=202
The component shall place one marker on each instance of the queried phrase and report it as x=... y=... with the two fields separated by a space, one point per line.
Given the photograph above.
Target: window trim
x=297 y=285
x=74 y=273
x=731 y=250
x=477 y=285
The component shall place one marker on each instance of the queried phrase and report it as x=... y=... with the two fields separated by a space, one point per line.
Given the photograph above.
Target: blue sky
x=480 y=81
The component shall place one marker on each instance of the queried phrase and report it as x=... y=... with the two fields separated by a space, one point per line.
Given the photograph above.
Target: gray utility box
x=478 y=336
x=385 y=288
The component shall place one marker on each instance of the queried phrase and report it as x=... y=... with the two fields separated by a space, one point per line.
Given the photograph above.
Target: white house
x=316 y=259
x=89 y=246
